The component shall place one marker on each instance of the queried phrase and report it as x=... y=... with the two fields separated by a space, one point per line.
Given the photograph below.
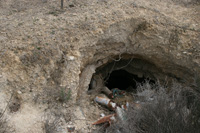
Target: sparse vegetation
x=62 y=4
x=53 y=120
x=64 y=96
x=51 y=123
x=3 y=123
x=46 y=44
x=54 y=96
x=4 y=127
x=54 y=13
x=170 y=110
x=15 y=103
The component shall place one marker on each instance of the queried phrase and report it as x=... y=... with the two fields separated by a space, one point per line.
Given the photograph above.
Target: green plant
x=54 y=13
x=53 y=32
x=64 y=96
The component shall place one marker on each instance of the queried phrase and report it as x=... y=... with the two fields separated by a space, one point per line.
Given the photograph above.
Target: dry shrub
x=57 y=95
x=166 y=110
x=3 y=124
x=186 y=2
x=4 y=127
x=51 y=123
x=15 y=104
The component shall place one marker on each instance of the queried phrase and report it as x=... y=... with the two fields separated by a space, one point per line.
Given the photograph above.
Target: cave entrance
x=123 y=80
x=124 y=74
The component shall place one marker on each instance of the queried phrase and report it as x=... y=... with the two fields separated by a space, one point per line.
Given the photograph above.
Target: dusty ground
x=44 y=49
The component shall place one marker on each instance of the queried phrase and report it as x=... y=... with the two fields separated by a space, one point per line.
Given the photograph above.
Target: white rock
x=71 y=57
x=70 y=123
x=102 y=114
x=19 y=92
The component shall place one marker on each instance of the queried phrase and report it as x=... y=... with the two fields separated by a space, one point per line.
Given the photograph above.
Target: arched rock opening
x=125 y=73
x=150 y=54
x=122 y=71
x=124 y=80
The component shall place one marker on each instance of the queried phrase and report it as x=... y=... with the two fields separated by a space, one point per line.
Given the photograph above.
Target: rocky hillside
x=48 y=55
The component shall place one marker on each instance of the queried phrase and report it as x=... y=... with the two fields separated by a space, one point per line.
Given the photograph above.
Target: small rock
x=19 y=92
x=70 y=123
x=102 y=114
x=64 y=104
x=178 y=54
x=71 y=58
x=71 y=5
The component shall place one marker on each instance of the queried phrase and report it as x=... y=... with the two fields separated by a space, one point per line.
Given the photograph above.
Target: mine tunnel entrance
x=123 y=80
x=124 y=74
x=118 y=81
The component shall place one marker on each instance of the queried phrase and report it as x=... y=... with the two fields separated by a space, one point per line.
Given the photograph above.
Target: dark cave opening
x=123 y=80
x=125 y=74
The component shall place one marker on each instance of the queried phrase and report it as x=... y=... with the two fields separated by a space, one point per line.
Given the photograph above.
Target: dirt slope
x=43 y=49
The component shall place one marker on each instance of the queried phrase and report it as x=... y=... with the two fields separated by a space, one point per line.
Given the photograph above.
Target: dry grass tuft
x=174 y=110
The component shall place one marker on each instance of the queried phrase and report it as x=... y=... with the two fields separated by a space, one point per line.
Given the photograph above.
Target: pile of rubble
x=116 y=100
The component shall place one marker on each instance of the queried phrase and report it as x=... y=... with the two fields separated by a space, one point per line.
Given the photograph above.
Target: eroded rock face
x=42 y=46
x=165 y=48
x=162 y=33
